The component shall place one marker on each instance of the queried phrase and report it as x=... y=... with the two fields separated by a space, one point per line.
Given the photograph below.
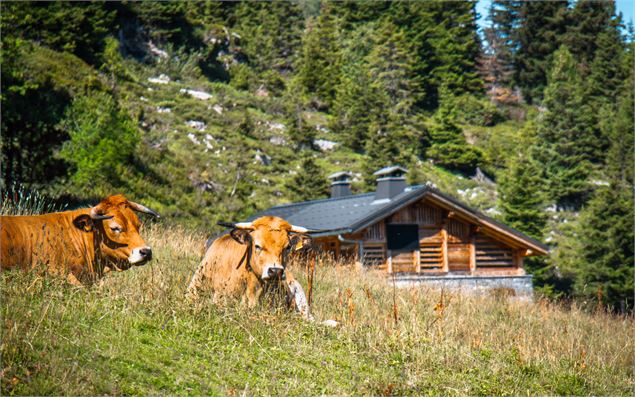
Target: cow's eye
x=115 y=229
x=258 y=248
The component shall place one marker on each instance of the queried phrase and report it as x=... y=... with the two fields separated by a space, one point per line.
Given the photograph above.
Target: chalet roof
x=389 y=170
x=350 y=214
x=340 y=174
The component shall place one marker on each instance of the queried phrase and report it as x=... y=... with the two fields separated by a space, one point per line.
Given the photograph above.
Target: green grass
x=134 y=334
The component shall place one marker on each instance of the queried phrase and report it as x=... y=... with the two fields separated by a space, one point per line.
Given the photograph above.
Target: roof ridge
x=321 y=200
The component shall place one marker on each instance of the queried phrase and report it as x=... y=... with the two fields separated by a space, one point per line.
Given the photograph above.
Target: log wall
x=446 y=244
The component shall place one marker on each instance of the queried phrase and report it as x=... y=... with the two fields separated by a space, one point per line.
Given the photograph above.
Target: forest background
x=212 y=110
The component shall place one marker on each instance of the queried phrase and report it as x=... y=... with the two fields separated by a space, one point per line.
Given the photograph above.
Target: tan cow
x=251 y=259
x=82 y=244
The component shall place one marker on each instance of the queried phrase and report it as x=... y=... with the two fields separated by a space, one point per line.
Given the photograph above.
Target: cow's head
x=116 y=228
x=270 y=240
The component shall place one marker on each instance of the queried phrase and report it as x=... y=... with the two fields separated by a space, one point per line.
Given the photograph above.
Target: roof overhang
x=488 y=225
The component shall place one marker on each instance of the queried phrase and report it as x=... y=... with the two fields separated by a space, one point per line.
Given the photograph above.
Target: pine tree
x=521 y=196
x=391 y=70
x=606 y=72
x=448 y=147
x=588 y=20
x=354 y=106
x=497 y=62
x=606 y=233
x=102 y=142
x=309 y=183
x=567 y=138
x=457 y=46
x=270 y=34
x=443 y=41
x=393 y=133
x=318 y=68
x=542 y=25
x=602 y=245
x=384 y=147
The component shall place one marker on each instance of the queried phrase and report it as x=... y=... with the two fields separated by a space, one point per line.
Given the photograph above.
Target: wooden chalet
x=414 y=230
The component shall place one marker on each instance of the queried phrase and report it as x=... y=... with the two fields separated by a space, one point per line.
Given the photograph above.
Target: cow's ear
x=84 y=222
x=300 y=241
x=241 y=235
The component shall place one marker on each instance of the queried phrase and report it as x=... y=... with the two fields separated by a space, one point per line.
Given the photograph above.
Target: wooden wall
x=446 y=244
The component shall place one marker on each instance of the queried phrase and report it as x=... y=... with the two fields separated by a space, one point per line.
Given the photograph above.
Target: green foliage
x=309 y=183
x=606 y=233
x=319 y=65
x=102 y=143
x=521 y=197
x=606 y=223
x=270 y=35
x=395 y=82
x=567 y=138
x=448 y=147
x=78 y=28
x=539 y=35
x=469 y=109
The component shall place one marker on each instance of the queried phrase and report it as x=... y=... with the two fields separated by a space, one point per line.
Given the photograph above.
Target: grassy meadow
x=133 y=334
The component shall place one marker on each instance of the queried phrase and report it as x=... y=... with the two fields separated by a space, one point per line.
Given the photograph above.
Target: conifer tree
x=606 y=71
x=318 y=69
x=354 y=106
x=603 y=267
x=588 y=19
x=448 y=146
x=567 y=140
x=521 y=196
x=310 y=182
x=270 y=34
x=457 y=46
x=542 y=25
x=497 y=63
x=606 y=234
x=393 y=136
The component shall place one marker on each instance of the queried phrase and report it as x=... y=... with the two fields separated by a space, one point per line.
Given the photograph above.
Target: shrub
x=102 y=140
x=468 y=109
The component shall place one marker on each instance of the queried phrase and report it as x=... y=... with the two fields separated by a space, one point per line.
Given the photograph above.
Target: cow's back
x=15 y=247
x=219 y=271
x=44 y=240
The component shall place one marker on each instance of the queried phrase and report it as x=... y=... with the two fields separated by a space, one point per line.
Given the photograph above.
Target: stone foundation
x=520 y=287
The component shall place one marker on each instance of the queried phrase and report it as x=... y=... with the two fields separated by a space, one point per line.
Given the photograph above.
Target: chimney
x=390 y=182
x=340 y=184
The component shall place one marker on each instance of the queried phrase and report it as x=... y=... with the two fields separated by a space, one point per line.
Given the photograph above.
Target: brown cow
x=251 y=259
x=82 y=244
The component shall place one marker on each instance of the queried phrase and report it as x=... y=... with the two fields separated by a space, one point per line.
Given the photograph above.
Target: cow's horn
x=143 y=208
x=299 y=229
x=97 y=216
x=241 y=225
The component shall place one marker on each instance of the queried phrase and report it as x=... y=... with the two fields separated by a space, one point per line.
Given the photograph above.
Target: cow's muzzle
x=140 y=255
x=273 y=272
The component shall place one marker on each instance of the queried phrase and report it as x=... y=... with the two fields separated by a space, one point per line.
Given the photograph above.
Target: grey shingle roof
x=352 y=213
x=336 y=214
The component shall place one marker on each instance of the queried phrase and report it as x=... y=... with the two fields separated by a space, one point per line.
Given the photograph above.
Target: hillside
x=210 y=111
x=134 y=335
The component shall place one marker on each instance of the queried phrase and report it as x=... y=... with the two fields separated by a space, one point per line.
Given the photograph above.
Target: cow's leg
x=253 y=293
x=298 y=297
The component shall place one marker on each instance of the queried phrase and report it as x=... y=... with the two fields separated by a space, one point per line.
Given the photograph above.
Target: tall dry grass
x=133 y=333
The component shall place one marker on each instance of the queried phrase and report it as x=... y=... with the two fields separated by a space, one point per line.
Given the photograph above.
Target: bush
x=102 y=141
x=468 y=109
